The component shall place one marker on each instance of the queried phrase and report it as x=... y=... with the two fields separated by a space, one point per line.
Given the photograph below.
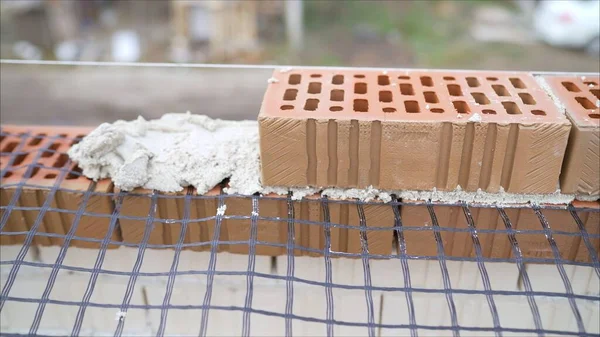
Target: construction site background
x=471 y=34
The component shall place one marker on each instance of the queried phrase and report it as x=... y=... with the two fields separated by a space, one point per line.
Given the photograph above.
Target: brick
x=591 y=223
x=581 y=168
x=378 y=241
x=272 y=232
x=54 y=143
x=137 y=204
x=356 y=128
x=497 y=245
x=312 y=235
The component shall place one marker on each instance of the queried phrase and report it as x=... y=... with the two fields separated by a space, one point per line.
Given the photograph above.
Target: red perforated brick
x=171 y=212
x=581 y=98
x=411 y=130
x=49 y=145
x=497 y=245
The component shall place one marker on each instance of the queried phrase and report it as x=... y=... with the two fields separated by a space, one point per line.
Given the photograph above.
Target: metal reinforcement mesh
x=206 y=306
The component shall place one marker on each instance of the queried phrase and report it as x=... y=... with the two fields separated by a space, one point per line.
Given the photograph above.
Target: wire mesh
x=374 y=289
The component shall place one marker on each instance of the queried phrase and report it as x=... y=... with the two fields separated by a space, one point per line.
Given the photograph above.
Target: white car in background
x=569 y=23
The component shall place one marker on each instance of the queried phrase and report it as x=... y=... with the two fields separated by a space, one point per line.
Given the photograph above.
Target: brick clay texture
x=411 y=131
x=497 y=245
x=581 y=168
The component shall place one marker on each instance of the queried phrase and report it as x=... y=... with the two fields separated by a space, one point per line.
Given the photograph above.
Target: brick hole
x=290 y=94
x=338 y=79
x=461 y=107
x=61 y=160
x=336 y=95
x=19 y=159
x=314 y=88
x=595 y=92
x=511 y=108
x=449 y=78
x=412 y=106
x=500 y=90
x=592 y=83
x=37 y=139
x=406 y=89
x=10 y=147
x=359 y=76
x=7 y=174
x=50 y=176
x=295 y=79
x=431 y=97
x=491 y=78
x=311 y=104
x=488 y=112
x=404 y=78
x=335 y=108
x=389 y=110
x=527 y=98
x=538 y=112
x=517 y=83
x=361 y=105
x=383 y=80
x=2 y=138
x=51 y=150
x=74 y=174
x=585 y=103
x=437 y=110
x=385 y=96
x=473 y=82
x=426 y=81
x=315 y=75
x=33 y=172
x=360 y=88
x=571 y=86
x=287 y=107
x=77 y=139
x=594 y=116
x=480 y=98
x=454 y=90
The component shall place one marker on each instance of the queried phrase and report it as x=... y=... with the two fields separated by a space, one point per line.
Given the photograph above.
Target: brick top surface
x=53 y=143
x=498 y=97
x=581 y=97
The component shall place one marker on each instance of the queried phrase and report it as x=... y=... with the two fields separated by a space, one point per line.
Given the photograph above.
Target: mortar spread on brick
x=173 y=152
x=458 y=195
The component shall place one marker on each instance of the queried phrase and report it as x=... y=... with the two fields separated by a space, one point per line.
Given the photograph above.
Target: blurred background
x=541 y=35
x=527 y=35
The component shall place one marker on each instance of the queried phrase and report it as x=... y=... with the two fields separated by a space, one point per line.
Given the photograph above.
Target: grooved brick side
x=411 y=130
x=497 y=245
x=137 y=204
x=51 y=144
x=581 y=98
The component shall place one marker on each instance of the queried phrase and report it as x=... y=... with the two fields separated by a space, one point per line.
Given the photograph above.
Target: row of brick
x=414 y=130
x=309 y=230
